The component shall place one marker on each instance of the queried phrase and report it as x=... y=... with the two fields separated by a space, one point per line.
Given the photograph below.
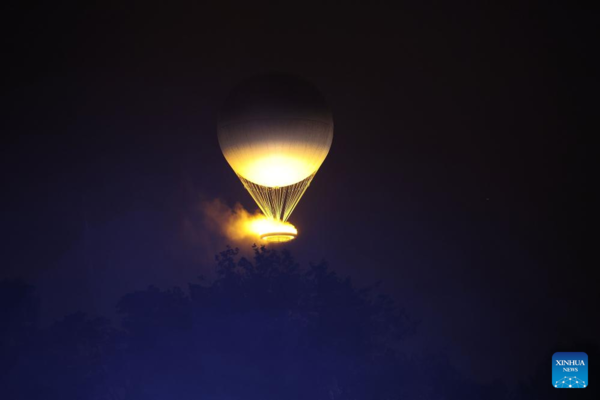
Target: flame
x=271 y=230
x=241 y=227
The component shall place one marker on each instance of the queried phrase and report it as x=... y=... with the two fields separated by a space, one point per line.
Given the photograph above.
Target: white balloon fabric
x=275 y=131
x=276 y=152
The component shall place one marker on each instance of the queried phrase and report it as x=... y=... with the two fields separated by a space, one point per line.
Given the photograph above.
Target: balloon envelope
x=275 y=130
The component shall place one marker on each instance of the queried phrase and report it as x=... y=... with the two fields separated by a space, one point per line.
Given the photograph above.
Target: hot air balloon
x=275 y=132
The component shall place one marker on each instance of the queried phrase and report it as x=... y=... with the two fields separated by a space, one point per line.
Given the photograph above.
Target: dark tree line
x=265 y=328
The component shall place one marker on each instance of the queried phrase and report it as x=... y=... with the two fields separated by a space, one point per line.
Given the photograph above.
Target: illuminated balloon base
x=272 y=230
x=278 y=237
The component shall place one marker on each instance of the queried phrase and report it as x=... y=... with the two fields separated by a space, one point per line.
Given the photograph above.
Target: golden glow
x=275 y=152
x=271 y=230
x=276 y=170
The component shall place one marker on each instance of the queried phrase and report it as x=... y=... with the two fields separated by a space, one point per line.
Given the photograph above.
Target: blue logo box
x=570 y=370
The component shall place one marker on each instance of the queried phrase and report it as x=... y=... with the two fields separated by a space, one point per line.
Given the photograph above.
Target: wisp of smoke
x=238 y=225
x=232 y=223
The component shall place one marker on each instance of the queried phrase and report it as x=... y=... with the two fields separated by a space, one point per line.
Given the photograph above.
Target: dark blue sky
x=453 y=177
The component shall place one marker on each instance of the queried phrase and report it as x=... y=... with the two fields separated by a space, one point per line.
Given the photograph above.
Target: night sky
x=455 y=176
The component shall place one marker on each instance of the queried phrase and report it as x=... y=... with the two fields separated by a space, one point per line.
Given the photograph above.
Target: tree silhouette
x=264 y=328
x=265 y=325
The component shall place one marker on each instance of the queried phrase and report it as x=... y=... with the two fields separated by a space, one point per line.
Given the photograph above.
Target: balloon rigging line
x=277 y=202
